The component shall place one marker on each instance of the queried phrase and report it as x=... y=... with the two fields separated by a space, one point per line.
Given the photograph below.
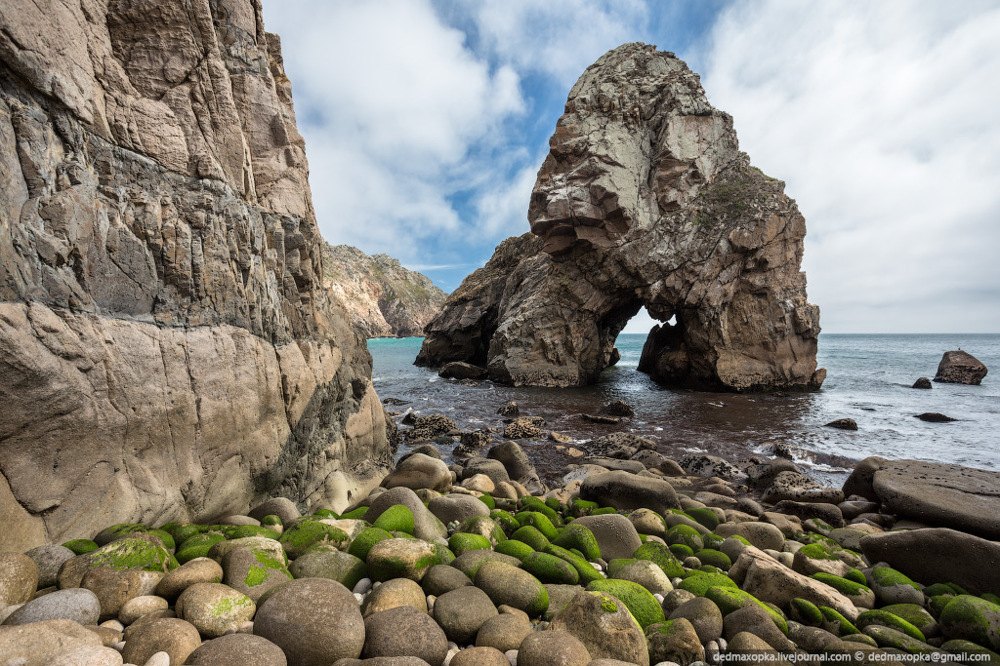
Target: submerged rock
x=644 y=200
x=959 y=367
x=922 y=383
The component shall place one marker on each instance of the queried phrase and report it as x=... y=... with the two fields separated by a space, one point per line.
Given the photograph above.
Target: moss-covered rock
x=505 y=521
x=860 y=595
x=550 y=569
x=133 y=553
x=488 y=500
x=305 y=533
x=857 y=577
x=887 y=637
x=617 y=564
x=661 y=556
x=461 y=542
x=973 y=619
x=81 y=546
x=356 y=514
x=681 y=551
x=805 y=612
x=699 y=582
x=937 y=604
x=539 y=521
x=586 y=572
x=643 y=606
x=958 y=646
x=836 y=623
x=579 y=508
x=243 y=531
x=400 y=558
x=894 y=587
x=180 y=532
x=198 y=545
x=915 y=615
x=715 y=558
x=483 y=526
x=531 y=503
x=443 y=553
x=363 y=542
x=730 y=599
x=580 y=538
x=706 y=517
x=531 y=536
x=884 y=618
x=514 y=548
x=507 y=584
x=686 y=535
x=324 y=561
x=396 y=518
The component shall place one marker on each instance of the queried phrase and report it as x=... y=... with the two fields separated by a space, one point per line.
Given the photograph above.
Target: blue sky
x=426 y=122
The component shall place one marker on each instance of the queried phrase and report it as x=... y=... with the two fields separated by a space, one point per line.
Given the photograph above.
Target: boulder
x=934 y=417
x=605 y=627
x=644 y=178
x=954 y=496
x=76 y=604
x=237 y=650
x=165 y=312
x=626 y=491
x=39 y=643
x=959 y=367
x=404 y=632
x=419 y=471
x=461 y=370
x=616 y=535
x=922 y=383
x=175 y=637
x=541 y=648
x=18 y=578
x=843 y=424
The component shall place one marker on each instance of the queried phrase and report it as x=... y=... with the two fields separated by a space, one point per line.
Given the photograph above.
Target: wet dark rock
x=509 y=409
x=617 y=408
x=599 y=418
x=395 y=401
x=922 y=383
x=619 y=445
x=959 y=367
x=843 y=424
x=828 y=513
x=461 y=370
x=934 y=417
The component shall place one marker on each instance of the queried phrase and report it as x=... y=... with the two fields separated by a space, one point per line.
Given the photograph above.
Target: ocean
x=869 y=379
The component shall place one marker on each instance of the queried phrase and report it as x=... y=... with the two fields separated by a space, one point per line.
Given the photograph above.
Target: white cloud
x=395 y=110
x=881 y=117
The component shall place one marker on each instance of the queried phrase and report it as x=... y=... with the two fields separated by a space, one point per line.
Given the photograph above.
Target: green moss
x=712 y=541
x=514 y=548
x=857 y=577
x=842 y=585
x=443 y=554
x=396 y=518
x=705 y=517
x=531 y=503
x=883 y=618
x=580 y=538
x=356 y=514
x=643 y=605
x=805 y=612
x=887 y=637
x=550 y=569
x=661 y=556
x=715 y=558
x=180 y=532
x=937 y=589
x=227 y=605
x=729 y=599
x=130 y=553
x=990 y=597
x=505 y=521
x=197 y=546
x=270 y=520
x=681 y=550
x=912 y=613
x=297 y=538
x=488 y=500
x=586 y=572
x=817 y=551
x=483 y=526
x=888 y=577
x=836 y=623
x=80 y=546
x=242 y=531
x=579 y=507
x=260 y=572
x=617 y=564
x=462 y=542
x=699 y=583
x=539 y=521
x=686 y=535
x=959 y=646
x=531 y=536
x=971 y=618
x=937 y=604
x=364 y=541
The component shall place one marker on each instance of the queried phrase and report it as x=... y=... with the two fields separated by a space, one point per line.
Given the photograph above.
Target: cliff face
x=167 y=351
x=643 y=200
x=382 y=299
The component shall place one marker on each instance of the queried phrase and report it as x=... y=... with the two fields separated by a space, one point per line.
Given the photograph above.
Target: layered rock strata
x=381 y=297
x=167 y=351
x=644 y=200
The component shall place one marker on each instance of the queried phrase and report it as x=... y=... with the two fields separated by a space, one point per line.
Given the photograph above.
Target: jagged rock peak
x=644 y=200
x=381 y=297
x=167 y=351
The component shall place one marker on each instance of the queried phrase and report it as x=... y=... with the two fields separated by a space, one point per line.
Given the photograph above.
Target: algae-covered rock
x=579 y=537
x=81 y=546
x=539 y=521
x=860 y=595
x=884 y=618
x=400 y=558
x=461 y=542
x=124 y=554
x=363 y=542
x=585 y=570
x=805 y=612
x=643 y=606
x=661 y=556
x=531 y=536
x=894 y=587
x=699 y=583
x=705 y=517
x=836 y=623
x=305 y=533
x=483 y=526
x=972 y=619
x=469 y=563
x=714 y=558
x=214 y=608
x=550 y=569
x=328 y=562
x=887 y=637
x=507 y=584
x=686 y=535
x=605 y=626
x=674 y=641
x=396 y=518
x=514 y=548
x=915 y=615
x=197 y=546
x=645 y=573
x=730 y=599
x=254 y=571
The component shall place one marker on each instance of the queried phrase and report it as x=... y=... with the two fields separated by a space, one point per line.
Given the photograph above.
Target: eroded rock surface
x=959 y=367
x=643 y=200
x=167 y=351
x=382 y=299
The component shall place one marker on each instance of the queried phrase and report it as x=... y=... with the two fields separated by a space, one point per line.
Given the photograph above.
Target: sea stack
x=167 y=351
x=959 y=367
x=644 y=200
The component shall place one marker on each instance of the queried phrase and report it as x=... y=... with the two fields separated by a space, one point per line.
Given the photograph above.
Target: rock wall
x=382 y=299
x=167 y=351
x=643 y=200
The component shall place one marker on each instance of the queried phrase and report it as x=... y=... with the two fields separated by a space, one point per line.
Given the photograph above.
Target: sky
x=426 y=122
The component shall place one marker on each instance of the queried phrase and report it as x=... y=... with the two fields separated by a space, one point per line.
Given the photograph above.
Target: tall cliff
x=382 y=299
x=644 y=200
x=167 y=351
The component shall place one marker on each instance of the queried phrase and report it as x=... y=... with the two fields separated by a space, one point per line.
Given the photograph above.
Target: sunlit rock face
x=644 y=200
x=167 y=351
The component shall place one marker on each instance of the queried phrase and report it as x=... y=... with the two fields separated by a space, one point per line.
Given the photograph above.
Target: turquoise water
x=868 y=379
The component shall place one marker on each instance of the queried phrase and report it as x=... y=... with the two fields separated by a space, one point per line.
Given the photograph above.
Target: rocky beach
x=196 y=465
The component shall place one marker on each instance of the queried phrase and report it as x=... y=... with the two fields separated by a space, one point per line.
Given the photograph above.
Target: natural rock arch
x=643 y=200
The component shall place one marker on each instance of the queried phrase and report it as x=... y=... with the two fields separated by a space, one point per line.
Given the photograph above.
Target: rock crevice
x=643 y=201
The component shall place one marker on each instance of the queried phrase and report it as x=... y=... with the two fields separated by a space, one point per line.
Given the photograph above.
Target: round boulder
x=18 y=578
x=404 y=632
x=462 y=612
x=214 y=608
x=175 y=637
x=237 y=650
x=76 y=604
x=541 y=648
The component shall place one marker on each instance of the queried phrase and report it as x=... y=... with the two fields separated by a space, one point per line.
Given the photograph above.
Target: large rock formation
x=167 y=351
x=643 y=200
x=382 y=299
x=959 y=367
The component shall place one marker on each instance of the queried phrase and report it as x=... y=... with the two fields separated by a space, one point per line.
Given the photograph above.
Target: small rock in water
x=510 y=409
x=922 y=383
x=617 y=408
x=934 y=417
x=843 y=424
